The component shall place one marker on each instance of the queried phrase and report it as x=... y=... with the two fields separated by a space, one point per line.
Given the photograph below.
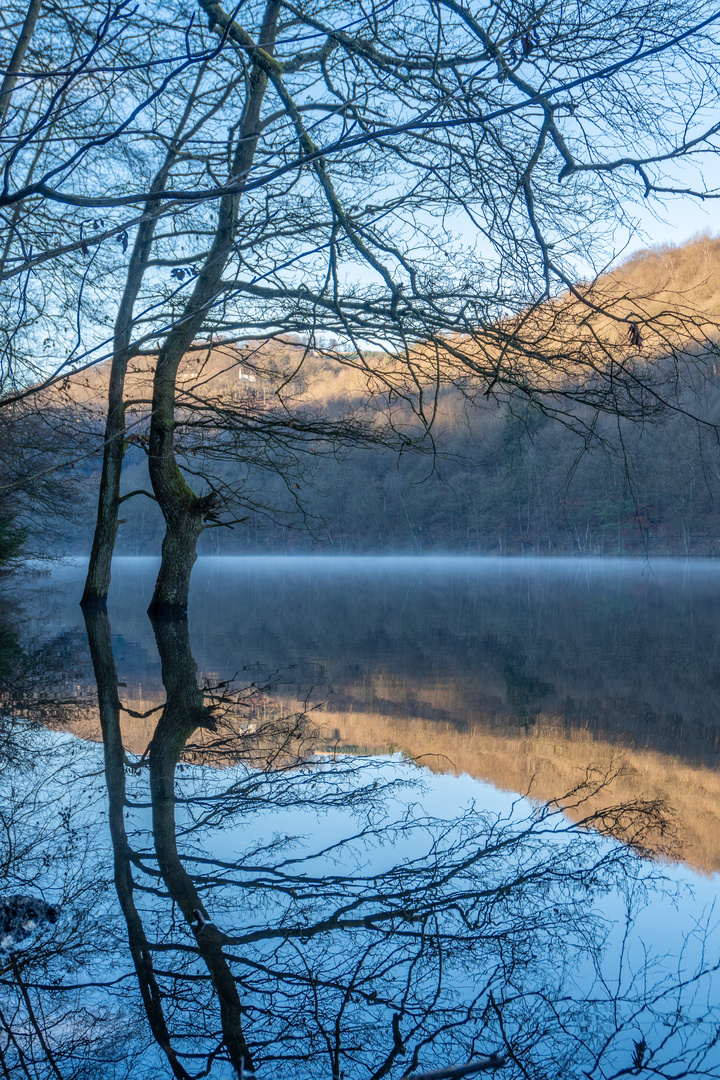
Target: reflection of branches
x=400 y=940
x=320 y=915
x=41 y=683
x=57 y=1013
x=495 y=1061
x=33 y=1019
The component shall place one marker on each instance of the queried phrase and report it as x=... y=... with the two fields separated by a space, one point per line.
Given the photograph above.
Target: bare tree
x=423 y=181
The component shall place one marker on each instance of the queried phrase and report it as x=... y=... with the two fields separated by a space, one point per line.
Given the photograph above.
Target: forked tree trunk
x=184 y=511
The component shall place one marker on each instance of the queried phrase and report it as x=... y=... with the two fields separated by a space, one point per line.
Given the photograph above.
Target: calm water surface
x=517 y=671
x=500 y=678
x=630 y=649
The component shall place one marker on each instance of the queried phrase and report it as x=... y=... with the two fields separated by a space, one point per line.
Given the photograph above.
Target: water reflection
x=232 y=895
x=520 y=672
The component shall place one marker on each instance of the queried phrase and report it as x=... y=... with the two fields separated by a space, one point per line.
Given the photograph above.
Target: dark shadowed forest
x=501 y=484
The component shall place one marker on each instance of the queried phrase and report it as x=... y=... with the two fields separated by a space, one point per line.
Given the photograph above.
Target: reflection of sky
x=667 y=905
x=658 y=931
x=294 y=608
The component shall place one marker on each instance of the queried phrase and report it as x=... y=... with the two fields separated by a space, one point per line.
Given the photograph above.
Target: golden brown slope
x=671 y=294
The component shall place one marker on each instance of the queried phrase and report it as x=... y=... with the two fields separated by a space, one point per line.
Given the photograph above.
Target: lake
x=428 y=809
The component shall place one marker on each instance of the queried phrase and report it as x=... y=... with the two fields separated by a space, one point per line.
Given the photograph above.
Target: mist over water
x=624 y=647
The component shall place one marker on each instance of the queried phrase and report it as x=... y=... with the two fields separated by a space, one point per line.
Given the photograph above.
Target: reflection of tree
x=98 y=627
x=314 y=917
x=404 y=942
x=184 y=712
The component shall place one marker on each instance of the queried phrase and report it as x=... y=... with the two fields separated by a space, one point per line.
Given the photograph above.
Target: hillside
x=663 y=274
x=503 y=479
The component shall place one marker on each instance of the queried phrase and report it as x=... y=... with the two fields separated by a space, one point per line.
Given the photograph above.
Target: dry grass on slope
x=671 y=294
x=663 y=302
x=278 y=373
x=690 y=270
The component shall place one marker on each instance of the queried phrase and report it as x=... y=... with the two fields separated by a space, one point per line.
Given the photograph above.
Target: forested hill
x=503 y=480
x=668 y=274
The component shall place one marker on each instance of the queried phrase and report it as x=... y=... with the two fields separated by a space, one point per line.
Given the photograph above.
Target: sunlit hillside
x=689 y=271
x=678 y=286
x=275 y=373
x=653 y=321
x=498 y=478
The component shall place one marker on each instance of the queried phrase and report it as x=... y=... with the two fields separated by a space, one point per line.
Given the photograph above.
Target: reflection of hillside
x=620 y=719
x=594 y=642
x=547 y=760
x=634 y=660
x=510 y=669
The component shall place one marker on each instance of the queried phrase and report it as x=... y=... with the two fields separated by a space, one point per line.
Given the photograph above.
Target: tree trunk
x=184 y=511
x=13 y=68
x=97 y=583
x=179 y=552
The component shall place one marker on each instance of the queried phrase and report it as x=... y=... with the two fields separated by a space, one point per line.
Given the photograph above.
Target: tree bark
x=97 y=583
x=184 y=523
x=184 y=511
x=13 y=70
